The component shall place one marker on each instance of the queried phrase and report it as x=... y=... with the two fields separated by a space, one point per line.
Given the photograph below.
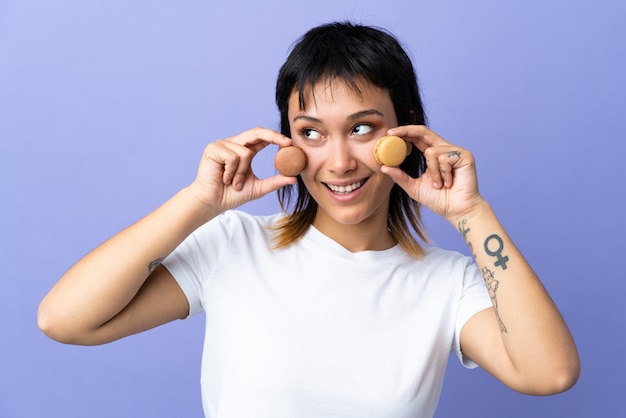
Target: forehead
x=337 y=91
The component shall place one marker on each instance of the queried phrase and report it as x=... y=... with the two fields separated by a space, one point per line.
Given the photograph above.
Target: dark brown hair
x=352 y=53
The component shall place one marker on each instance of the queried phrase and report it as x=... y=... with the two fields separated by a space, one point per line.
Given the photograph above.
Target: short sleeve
x=474 y=298
x=193 y=261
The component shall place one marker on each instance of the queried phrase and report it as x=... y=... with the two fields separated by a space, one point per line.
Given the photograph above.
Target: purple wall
x=105 y=108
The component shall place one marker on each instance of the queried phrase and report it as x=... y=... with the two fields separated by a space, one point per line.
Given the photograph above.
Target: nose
x=340 y=158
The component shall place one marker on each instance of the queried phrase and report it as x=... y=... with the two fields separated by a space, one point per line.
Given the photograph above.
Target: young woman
x=331 y=307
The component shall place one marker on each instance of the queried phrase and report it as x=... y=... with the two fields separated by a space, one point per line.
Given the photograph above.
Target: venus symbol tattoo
x=492 y=287
x=501 y=260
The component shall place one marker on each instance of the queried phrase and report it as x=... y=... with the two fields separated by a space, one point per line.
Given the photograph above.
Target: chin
x=353 y=218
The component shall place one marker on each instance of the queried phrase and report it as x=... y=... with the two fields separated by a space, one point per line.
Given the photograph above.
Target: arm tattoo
x=501 y=260
x=154 y=264
x=463 y=230
x=492 y=287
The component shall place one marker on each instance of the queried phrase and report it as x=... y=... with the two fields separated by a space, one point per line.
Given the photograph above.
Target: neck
x=365 y=236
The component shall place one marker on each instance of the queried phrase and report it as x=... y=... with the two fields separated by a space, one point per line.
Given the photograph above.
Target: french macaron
x=290 y=161
x=391 y=150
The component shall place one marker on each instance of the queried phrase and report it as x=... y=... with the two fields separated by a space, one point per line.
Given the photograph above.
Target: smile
x=345 y=189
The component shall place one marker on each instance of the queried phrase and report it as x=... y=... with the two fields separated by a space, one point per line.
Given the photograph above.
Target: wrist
x=195 y=209
x=480 y=209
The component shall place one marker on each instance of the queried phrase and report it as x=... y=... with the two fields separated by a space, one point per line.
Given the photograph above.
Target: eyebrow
x=357 y=115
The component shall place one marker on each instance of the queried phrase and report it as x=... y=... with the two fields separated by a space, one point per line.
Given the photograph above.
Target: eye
x=309 y=133
x=362 y=129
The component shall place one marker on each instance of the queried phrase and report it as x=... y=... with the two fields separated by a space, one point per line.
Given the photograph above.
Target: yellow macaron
x=391 y=150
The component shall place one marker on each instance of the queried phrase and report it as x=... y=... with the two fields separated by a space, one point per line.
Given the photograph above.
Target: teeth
x=345 y=189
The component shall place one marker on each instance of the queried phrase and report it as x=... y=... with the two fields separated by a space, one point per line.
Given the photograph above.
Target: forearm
x=104 y=282
x=533 y=332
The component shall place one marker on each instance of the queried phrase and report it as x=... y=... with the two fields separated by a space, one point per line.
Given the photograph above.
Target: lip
x=347 y=195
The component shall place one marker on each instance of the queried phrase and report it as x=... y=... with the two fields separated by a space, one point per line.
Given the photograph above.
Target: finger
x=433 y=167
x=237 y=170
x=252 y=141
x=235 y=160
x=409 y=184
x=446 y=161
x=259 y=138
x=274 y=183
x=235 y=154
x=399 y=177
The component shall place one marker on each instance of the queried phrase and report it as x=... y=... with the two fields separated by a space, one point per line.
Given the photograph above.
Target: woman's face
x=338 y=130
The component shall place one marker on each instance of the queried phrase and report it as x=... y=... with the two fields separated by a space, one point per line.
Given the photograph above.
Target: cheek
x=364 y=153
x=310 y=171
x=315 y=157
x=367 y=155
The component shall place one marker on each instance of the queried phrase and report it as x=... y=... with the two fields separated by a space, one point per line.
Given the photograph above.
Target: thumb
x=274 y=183
x=412 y=186
x=399 y=177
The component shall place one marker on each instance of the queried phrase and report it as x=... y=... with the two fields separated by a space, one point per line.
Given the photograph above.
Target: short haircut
x=352 y=53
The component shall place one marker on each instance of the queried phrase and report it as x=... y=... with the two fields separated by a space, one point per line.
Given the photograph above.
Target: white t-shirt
x=314 y=330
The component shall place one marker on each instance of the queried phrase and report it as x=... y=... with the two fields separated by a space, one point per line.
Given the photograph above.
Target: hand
x=225 y=179
x=449 y=185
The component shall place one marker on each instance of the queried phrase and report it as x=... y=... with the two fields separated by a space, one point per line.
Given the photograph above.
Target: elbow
x=58 y=328
x=558 y=384
x=50 y=325
x=559 y=380
x=566 y=374
x=565 y=379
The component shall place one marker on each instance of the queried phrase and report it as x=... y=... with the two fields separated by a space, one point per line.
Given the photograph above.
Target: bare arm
x=120 y=288
x=522 y=340
x=91 y=303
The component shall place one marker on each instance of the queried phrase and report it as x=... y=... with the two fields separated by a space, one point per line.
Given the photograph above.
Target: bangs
x=348 y=54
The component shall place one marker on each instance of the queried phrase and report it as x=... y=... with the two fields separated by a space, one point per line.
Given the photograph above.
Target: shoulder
x=236 y=228
x=450 y=268
x=442 y=258
x=233 y=221
x=247 y=220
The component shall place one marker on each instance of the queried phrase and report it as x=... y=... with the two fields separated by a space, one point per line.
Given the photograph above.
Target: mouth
x=346 y=188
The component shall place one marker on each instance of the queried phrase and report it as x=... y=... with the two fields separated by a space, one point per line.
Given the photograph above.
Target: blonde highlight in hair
x=404 y=215
x=297 y=221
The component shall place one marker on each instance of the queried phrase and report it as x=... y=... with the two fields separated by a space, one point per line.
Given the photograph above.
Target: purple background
x=105 y=108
